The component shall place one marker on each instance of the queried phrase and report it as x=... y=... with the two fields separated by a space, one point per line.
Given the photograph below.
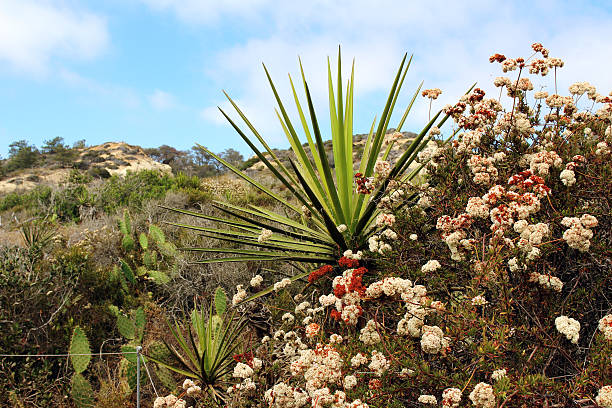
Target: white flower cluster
x=341 y=228
x=369 y=334
x=602 y=147
x=240 y=295
x=285 y=396
x=382 y=169
x=580 y=88
x=431 y=266
x=451 y=397
x=242 y=370
x=467 y=141
x=479 y=300
x=385 y=219
x=541 y=162
x=604 y=397
x=477 y=208
x=498 y=374
x=378 y=363
x=569 y=327
x=547 y=281
x=265 y=235
x=482 y=396
x=256 y=281
x=427 y=399
x=377 y=244
x=358 y=360
x=191 y=388
x=169 y=401
x=433 y=340
x=605 y=326
x=579 y=232
x=568 y=177
x=320 y=367
x=282 y=284
x=483 y=169
x=357 y=255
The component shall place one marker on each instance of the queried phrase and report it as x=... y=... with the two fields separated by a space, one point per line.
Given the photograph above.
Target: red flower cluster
x=364 y=184
x=526 y=180
x=348 y=263
x=336 y=315
x=497 y=57
x=246 y=358
x=322 y=271
x=355 y=284
x=476 y=96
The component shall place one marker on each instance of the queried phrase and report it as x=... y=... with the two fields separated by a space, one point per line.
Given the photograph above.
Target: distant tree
x=232 y=156
x=165 y=154
x=56 y=151
x=204 y=163
x=54 y=146
x=21 y=155
x=79 y=144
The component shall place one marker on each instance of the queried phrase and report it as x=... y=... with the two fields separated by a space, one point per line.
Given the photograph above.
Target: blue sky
x=151 y=72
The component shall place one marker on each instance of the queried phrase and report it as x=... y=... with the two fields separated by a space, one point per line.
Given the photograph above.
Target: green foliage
x=204 y=350
x=126 y=327
x=79 y=345
x=82 y=392
x=329 y=197
x=144 y=242
x=220 y=301
x=21 y=155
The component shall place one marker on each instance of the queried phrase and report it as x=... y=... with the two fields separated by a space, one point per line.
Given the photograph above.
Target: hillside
x=105 y=160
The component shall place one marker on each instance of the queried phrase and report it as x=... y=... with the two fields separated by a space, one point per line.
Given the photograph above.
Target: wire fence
x=139 y=361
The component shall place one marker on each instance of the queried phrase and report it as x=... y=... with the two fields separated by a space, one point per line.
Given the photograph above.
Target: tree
x=232 y=156
x=79 y=144
x=54 y=146
x=21 y=155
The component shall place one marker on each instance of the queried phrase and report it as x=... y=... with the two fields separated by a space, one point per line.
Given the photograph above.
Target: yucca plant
x=328 y=196
x=206 y=349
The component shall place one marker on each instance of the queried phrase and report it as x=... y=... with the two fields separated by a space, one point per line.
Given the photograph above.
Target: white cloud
x=32 y=33
x=125 y=96
x=161 y=100
x=451 y=42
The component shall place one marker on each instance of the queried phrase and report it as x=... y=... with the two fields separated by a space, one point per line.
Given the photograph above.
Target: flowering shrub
x=492 y=287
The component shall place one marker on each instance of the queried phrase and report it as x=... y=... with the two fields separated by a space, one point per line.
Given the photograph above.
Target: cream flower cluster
x=602 y=147
x=369 y=334
x=467 y=141
x=240 y=295
x=579 y=232
x=605 y=326
x=568 y=177
x=385 y=219
x=357 y=255
x=604 y=397
x=242 y=370
x=378 y=363
x=320 y=367
x=541 y=162
x=433 y=340
x=432 y=93
x=546 y=281
x=580 y=88
x=498 y=374
x=482 y=396
x=382 y=169
x=191 y=388
x=451 y=397
x=428 y=399
x=265 y=235
x=282 y=284
x=169 y=401
x=431 y=266
x=483 y=169
x=285 y=396
x=569 y=327
x=256 y=281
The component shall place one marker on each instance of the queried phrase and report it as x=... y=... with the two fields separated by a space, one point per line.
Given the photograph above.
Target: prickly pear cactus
x=143 y=240
x=220 y=301
x=127 y=272
x=165 y=377
x=159 y=277
x=126 y=327
x=79 y=350
x=82 y=392
x=157 y=234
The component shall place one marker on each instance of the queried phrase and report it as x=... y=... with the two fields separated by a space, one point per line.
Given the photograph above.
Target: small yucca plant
x=327 y=196
x=206 y=349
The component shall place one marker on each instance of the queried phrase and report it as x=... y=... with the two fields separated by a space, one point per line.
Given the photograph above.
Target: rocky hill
x=105 y=160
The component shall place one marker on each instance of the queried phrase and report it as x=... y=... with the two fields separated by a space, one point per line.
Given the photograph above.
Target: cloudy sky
x=151 y=72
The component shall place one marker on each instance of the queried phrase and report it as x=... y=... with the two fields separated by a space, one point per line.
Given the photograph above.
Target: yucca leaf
x=336 y=207
x=331 y=226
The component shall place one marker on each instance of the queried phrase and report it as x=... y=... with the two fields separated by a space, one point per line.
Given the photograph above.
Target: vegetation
x=471 y=271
